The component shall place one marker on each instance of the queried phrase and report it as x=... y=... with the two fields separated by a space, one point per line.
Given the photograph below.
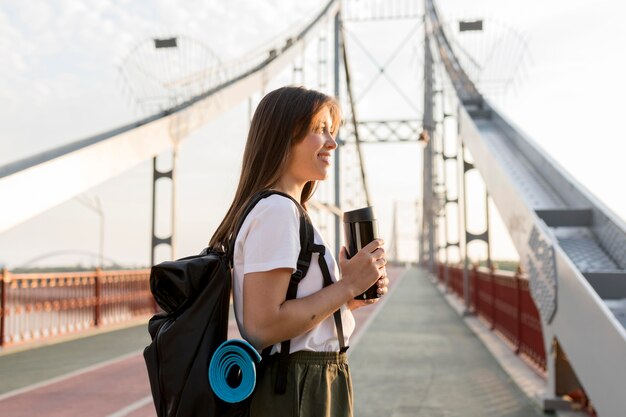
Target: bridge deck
x=418 y=358
x=412 y=356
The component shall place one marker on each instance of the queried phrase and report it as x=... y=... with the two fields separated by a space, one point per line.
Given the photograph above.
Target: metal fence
x=41 y=305
x=502 y=299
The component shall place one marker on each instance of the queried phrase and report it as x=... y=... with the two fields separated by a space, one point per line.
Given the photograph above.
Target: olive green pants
x=318 y=385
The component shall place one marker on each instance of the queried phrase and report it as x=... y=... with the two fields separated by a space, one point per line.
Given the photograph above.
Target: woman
x=289 y=149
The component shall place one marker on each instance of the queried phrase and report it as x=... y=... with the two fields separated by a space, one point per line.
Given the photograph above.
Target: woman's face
x=310 y=159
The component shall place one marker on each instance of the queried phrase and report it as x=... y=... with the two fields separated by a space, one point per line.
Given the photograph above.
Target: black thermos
x=361 y=228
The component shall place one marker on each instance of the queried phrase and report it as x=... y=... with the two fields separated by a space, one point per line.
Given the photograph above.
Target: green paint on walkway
x=28 y=367
x=418 y=358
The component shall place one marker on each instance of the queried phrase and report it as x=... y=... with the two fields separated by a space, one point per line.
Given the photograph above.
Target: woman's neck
x=293 y=188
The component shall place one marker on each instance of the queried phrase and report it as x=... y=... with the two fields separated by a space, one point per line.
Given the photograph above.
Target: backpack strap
x=304 y=261
x=308 y=247
x=304 y=257
x=321 y=249
x=230 y=247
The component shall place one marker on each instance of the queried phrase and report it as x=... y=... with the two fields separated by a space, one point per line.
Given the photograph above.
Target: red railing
x=42 y=305
x=502 y=299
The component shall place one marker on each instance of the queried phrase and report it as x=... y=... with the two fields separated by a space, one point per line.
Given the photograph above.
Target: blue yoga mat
x=230 y=357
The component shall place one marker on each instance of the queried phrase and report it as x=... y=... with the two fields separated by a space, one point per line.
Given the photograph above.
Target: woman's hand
x=382 y=290
x=354 y=304
x=364 y=269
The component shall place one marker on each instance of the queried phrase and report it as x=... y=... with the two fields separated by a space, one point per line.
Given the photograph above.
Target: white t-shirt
x=269 y=239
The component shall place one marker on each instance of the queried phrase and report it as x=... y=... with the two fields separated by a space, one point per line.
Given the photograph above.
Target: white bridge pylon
x=72 y=169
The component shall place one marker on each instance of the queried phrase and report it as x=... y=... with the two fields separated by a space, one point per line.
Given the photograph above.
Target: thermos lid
x=365 y=214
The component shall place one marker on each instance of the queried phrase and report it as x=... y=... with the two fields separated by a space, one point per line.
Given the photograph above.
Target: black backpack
x=194 y=293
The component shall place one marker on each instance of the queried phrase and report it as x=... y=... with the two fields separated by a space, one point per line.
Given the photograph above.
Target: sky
x=60 y=82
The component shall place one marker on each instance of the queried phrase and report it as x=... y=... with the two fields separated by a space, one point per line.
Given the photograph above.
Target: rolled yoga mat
x=232 y=371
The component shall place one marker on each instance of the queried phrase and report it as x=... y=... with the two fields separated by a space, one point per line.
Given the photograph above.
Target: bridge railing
x=37 y=306
x=502 y=299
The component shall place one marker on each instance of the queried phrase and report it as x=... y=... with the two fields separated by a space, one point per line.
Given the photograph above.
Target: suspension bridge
x=557 y=325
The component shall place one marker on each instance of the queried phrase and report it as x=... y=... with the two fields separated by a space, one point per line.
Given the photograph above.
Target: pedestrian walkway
x=101 y=375
x=418 y=358
x=27 y=367
x=412 y=355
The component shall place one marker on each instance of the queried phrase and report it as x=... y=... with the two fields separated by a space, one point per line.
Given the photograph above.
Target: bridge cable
x=381 y=68
x=353 y=111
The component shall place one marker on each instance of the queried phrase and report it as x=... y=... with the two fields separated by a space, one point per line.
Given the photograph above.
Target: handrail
x=37 y=306
x=503 y=300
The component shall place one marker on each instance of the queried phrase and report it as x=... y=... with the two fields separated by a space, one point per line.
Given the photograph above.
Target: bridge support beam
x=427 y=240
x=443 y=196
x=337 y=65
x=5 y=281
x=156 y=175
x=467 y=235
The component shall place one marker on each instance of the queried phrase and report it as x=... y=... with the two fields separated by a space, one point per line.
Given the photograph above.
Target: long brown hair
x=282 y=119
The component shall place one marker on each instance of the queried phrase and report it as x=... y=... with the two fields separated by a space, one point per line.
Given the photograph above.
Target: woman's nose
x=331 y=143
